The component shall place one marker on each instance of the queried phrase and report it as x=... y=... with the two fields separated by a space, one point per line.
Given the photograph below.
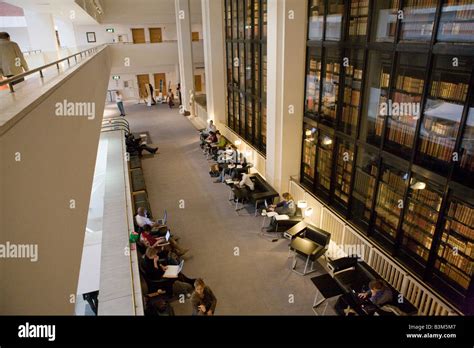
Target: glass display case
x=309 y=153
x=464 y=170
x=353 y=74
x=331 y=81
x=457 y=21
x=443 y=111
x=334 y=20
x=376 y=96
x=389 y=202
x=364 y=187
x=343 y=174
x=313 y=80
x=358 y=19
x=316 y=20
x=420 y=218
x=385 y=20
x=324 y=160
x=403 y=109
x=418 y=20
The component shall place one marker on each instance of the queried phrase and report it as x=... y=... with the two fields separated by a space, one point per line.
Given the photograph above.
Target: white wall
x=20 y=36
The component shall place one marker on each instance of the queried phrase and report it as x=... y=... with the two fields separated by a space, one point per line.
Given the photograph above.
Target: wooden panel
x=138 y=35
x=195 y=36
x=197 y=83
x=155 y=35
x=160 y=83
x=142 y=80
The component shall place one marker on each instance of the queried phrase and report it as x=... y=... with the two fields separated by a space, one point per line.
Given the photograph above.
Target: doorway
x=155 y=35
x=142 y=81
x=160 y=83
x=138 y=35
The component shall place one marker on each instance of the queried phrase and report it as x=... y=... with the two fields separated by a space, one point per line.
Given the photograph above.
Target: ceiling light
x=420 y=185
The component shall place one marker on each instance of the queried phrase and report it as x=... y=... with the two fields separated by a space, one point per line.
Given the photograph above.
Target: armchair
x=311 y=244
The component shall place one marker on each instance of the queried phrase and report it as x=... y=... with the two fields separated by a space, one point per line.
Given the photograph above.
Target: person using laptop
x=286 y=206
x=149 y=240
x=203 y=300
x=142 y=219
x=379 y=293
x=154 y=270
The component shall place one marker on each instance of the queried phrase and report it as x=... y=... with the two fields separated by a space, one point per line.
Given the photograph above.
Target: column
x=286 y=52
x=42 y=34
x=185 y=50
x=214 y=58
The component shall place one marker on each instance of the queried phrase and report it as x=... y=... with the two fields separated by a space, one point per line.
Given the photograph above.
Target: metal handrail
x=115 y=123
x=40 y=69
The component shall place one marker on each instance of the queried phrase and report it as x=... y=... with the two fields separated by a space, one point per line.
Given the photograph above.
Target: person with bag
x=12 y=61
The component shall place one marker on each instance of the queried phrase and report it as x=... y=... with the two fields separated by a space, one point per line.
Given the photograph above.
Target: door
x=142 y=80
x=195 y=36
x=138 y=35
x=197 y=83
x=160 y=83
x=155 y=35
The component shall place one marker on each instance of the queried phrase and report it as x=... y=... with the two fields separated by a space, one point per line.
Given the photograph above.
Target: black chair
x=284 y=225
x=311 y=244
x=153 y=284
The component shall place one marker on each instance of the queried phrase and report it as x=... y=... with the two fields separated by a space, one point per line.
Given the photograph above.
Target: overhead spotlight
x=420 y=185
x=327 y=141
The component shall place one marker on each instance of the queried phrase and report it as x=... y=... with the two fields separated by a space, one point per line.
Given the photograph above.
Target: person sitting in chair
x=379 y=293
x=136 y=146
x=149 y=240
x=286 y=206
x=142 y=219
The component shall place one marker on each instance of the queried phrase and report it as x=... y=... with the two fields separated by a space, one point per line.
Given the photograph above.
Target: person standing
x=12 y=61
x=178 y=92
x=119 y=100
x=203 y=300
x=170 y=98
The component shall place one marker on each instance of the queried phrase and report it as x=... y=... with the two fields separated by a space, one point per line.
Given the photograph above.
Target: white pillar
x=67 y=36
x=185 y=50
x=286 y=54
x=214 y=58
x=42 y=34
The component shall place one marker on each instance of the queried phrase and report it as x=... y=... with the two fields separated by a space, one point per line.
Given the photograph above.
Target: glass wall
x=389 y=129
x=246 y=30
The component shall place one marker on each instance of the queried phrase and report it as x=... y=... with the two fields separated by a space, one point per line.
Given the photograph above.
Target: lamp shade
x=302 y=204
x=238 y=142
x=308 y=212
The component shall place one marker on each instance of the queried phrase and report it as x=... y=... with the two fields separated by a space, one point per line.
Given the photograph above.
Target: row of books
x=411 y=229
x=359 y=7
x=354 y=72
x=431 y=124
x=349 y=115
x=329 y=112
x=314 y=65
x=425 y=213
x=358 y=26
x=395 y=180
x=464 y=9
x=462 y=213
x=333 y=67
x=437 y=147
x=409 y=84
x=420 y=3
x=459 y=228
x=415 y=223
x=464 y=29
x=448 y=90
x=456 y=259
x=454 y=274
x=467 y=248
x=351 y=96
x=401 y=133
x=428 y=197
x=384 y=80
x=336 y=8
x=416 y=248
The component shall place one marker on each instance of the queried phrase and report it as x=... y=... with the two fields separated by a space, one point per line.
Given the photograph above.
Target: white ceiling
x=59 y=8
x=145 y=11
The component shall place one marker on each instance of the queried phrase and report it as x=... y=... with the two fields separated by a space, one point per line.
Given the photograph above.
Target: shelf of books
x=418 y=20
x=359 y=14
x=455 y=258
x=324 y=161
x=309 y=154
x=442 y=114
x=403 y=109
x=249 y=114
x=383 y=98
x=389 y=201
x=256 y=20
x=331 y=85
x=344 y=167
x=457 y=21
x=313 y=78
x=464 y=173
x=353 y=74
x=316 y=20
x=421 y=216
